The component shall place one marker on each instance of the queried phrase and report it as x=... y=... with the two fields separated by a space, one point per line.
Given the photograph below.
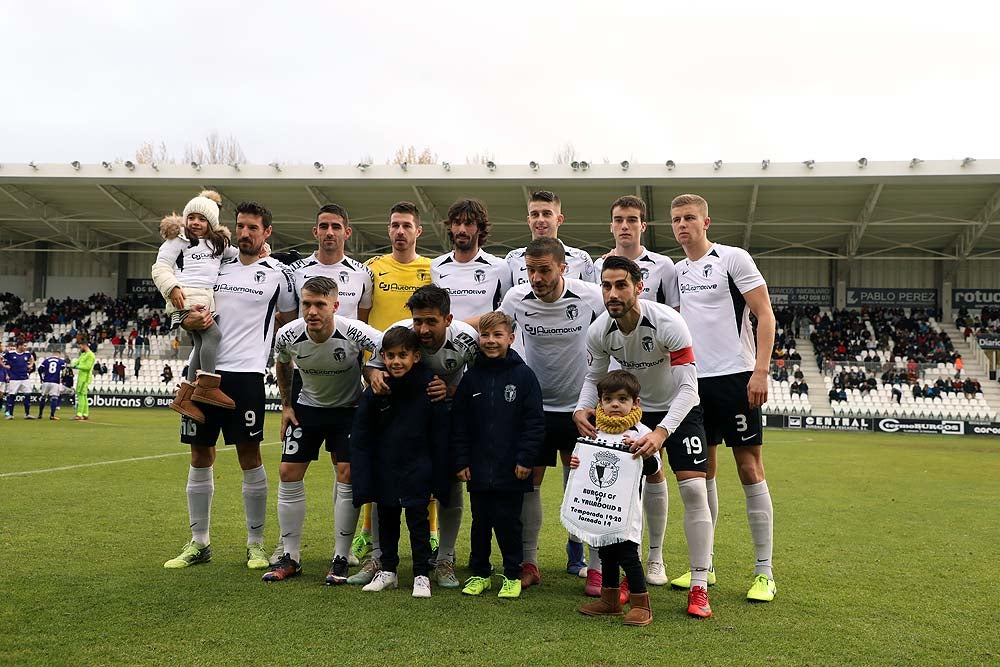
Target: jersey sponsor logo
x=239 y=289
x=396 y=287
x=464 y=292
x=639 y=365
x=323 y=371
x=572 y=312
x=200 y=255
x=647 y=343
x=510 y=393
x=707 y=271
x=479 y=276
x=686 y=289
x=542 y=330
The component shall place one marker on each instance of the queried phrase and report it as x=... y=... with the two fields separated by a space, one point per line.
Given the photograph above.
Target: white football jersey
x=331 y=370
x=354 y=281
x=461 y=343
x=659 y=341
x=247 y=298
x=476 y=286
x=554 y=337
x=712 y=303
x=658 y=282
x=579 y=265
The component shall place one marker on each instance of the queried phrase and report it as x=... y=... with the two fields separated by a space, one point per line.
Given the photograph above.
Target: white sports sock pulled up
x=345 y=519
x=200 y=489
x=760 y=516
x=654 y=507
x=292 y=516
x=531 y=523
x=255 y=503
x=697 y=528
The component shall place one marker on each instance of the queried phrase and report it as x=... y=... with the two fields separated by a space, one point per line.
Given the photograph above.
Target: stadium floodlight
x=319 y=166
x=967 y=161
x=809 y=164
x=75 y=164
x=235 y=165
x=35 y=166
x=717 y=164
x=575 y=165
x=276 y=166
x=862 y=162
x=195 y=165
x=914 y=162
x=671 y=164
x=404 y=165
x=584 y=165
x=625 y=165
x=106 y=165
x=363 y=166
x=446 y=166
x=491 y=165
x=533 y=165
x=764 y=164
x=155 y=166
x=130 y=165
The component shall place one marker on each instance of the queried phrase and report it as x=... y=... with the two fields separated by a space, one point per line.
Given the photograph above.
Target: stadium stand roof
x=839 y=210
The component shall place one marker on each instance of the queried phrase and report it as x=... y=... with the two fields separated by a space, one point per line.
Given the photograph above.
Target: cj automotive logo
x=917 y=426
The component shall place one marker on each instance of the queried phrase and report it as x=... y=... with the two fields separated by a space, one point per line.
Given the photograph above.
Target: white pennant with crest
x=601 y=503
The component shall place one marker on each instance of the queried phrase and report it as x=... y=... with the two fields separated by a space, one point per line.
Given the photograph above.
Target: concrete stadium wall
x=796 y=273
x=979 y=273
x=894 y=273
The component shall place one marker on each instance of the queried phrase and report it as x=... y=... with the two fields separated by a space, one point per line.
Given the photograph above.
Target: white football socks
x=292 y=516
x=713 y=507
x=255 y=503
x=654 y=506
x=450 y=523
x=531 y=524
x=200 y=489
x=760 y=516
x=697 y=528
x=345 y=519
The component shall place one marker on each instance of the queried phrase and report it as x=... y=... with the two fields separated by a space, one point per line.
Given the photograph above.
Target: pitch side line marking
x=104 y=463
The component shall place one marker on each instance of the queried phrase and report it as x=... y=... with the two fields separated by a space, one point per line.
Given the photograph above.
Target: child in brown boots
x=185 y=272
x=618 y=416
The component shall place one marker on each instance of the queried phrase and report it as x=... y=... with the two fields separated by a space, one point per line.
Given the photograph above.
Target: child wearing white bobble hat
x=185 y=272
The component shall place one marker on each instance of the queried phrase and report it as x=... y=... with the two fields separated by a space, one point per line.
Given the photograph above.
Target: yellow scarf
x=609 y=424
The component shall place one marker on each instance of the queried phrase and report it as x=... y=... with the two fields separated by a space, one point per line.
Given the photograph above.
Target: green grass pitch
x=886 y=554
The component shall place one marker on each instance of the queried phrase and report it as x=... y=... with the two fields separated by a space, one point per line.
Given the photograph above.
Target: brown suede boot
x=608 y=605
x=206 y=390
x=182 y=403
x=639 y=612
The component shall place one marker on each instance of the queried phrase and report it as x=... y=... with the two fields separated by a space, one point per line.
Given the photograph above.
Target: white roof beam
x=751 y=213
x=864 y=217
x=132 y=206
x=427 y=204
x=971 y=235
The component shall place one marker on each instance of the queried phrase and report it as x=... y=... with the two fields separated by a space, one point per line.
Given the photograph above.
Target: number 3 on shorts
x=741 y=423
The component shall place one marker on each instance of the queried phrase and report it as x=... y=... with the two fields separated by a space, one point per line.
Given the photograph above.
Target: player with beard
x=652 y=342
x=249 y=295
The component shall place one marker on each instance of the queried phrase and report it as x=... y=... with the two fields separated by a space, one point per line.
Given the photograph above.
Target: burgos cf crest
x=647 y=343
x=344 y=277
x=707 y=270
x=510 y=393
x=421 y=275
x=572 y=312
x=339 y=354
x=479 y=275
x=604 y=469
x=644 y=272
x=259 y=277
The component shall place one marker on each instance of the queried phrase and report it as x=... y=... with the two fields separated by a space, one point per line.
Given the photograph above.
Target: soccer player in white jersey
x=628 y=222
x=720 y=287
x=552 y=313
x=326 y=350
x=475 y=279
x=544 y=218
x=354 y=280
x=249 y=295
x=651 y=341
x=447 y=346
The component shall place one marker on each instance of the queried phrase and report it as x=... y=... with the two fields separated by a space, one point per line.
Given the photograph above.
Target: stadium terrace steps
x=814 y=378
x=972 y=367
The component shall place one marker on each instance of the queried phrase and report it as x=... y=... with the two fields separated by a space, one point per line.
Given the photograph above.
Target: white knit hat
x=205 y=207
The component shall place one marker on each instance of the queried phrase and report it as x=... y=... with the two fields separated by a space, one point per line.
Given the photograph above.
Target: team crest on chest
x=604 y=469
x=344 y=277
x=259 y=277
x=339 y=354
x=572 y=312
x=479 y=276
x=510 y=393
x=644 y=272
x=421 y=274
x=647 y=343
x=707 y=270
x=450 y=364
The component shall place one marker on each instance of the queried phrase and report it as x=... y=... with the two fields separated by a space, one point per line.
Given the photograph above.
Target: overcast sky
x=336 y=81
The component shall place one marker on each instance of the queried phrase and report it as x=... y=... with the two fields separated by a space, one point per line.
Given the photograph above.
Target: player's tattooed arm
x=283 y=373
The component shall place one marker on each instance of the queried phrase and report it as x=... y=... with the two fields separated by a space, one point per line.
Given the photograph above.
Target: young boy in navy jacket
x=497 y=429
x=399 y=457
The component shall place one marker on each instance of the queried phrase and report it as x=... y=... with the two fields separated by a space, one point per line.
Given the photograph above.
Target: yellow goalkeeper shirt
x=393 y=284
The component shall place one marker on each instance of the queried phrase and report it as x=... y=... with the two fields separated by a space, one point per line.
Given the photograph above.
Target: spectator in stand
x=959 y=365
x=798 y=375
x=138 y=365
x=798 y=388
x=793 y=355
x=167 y=374
x=176 y=346
x=897 y=395
x=146 y=346
x=780 y=375
x=970 y=387
x=116 y=341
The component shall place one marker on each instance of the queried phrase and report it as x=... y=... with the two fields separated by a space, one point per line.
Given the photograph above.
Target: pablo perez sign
x=601 y=503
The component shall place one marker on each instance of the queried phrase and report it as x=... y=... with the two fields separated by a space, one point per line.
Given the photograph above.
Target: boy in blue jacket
x=497 y=429
x=399 y=457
